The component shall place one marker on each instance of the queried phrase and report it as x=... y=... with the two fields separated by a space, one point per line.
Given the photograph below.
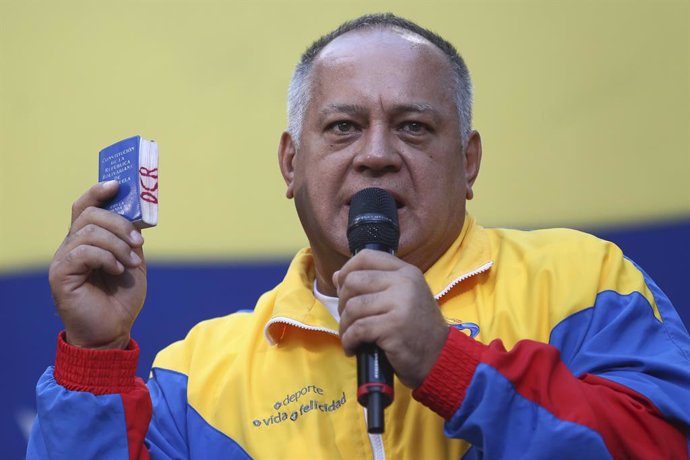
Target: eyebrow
x=350 y=109
x=418 y=108
x=354 y=109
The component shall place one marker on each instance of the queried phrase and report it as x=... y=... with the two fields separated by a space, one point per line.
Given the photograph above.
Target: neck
x=324 y=267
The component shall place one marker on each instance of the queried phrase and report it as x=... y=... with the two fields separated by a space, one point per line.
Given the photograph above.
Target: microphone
x=373 y=224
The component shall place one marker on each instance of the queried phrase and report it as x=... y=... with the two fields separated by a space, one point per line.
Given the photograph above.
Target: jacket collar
x=470 y=254
x=296 y=306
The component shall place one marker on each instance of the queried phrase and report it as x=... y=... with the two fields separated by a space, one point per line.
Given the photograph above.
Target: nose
x=377 y=155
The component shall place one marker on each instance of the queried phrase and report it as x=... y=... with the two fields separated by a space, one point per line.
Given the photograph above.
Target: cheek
x=314 y=202
x=440 y=198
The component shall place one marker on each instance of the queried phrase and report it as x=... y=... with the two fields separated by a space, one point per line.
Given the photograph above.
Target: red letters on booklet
x=147 y=192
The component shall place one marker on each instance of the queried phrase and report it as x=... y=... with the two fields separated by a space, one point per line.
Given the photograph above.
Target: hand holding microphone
x=385 y=304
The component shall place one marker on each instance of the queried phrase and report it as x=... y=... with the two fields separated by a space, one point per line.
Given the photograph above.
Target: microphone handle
x=374 y=384
x=374 y=373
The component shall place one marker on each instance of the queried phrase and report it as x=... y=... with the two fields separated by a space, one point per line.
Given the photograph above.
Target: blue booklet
x=133 y=162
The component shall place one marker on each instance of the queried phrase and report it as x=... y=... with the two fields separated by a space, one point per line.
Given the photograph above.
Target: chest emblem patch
x=471 y=328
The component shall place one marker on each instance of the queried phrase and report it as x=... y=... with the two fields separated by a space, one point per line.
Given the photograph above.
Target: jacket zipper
x=292 y=322
x=376 y=441
x=462 y=278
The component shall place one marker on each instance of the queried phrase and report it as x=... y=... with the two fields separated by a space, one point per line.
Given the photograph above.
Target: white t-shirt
x=329 y=302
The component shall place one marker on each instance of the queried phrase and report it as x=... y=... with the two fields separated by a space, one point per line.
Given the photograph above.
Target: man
x=598 y=363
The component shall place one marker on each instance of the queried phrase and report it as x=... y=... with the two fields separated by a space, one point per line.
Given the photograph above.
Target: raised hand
x=98 y=274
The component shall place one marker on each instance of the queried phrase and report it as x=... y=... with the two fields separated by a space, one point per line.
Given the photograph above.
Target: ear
x=286 y=159
x=473 y=158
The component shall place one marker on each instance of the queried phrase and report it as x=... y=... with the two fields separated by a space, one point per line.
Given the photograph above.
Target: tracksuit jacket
x=559 y=347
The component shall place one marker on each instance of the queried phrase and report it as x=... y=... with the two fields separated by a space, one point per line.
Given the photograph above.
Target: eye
x=415 y=128
x=342 y=127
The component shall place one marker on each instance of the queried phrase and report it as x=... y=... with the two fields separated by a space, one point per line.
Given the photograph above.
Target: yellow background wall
x=584 y=108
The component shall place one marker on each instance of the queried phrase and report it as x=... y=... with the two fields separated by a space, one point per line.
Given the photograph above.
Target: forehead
x=375 y=37
x=388 y=39
x=387 y=58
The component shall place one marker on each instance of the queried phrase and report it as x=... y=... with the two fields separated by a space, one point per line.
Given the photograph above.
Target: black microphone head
x=373 y=220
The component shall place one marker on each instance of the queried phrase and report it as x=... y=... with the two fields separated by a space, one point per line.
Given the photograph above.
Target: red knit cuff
x=96 y=371
x=443 y=390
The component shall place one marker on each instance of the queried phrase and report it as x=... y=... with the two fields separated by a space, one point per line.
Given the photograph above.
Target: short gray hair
x=299 y=92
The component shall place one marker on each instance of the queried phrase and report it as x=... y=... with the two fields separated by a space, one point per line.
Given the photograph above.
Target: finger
x=97 y=195
x=114 y=223
x=368 y=260
x=363 y=306
x=365 y=330
x=364 y=282
x=83 y=259
x=94 y=235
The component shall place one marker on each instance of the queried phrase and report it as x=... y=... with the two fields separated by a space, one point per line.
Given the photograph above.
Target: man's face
x=382 y=114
